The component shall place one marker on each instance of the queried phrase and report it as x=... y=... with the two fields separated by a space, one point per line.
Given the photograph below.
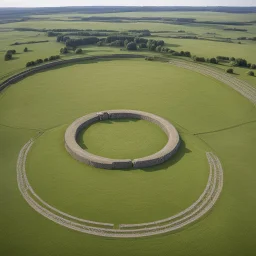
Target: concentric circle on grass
x=106 y=163
x=195 y=211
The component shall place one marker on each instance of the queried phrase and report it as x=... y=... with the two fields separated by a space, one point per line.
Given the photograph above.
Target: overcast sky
x=43 y=3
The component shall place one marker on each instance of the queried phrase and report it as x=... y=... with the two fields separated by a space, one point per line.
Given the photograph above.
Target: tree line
x=40 y=61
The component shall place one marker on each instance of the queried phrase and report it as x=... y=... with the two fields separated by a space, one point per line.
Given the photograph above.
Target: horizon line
x=175 y=6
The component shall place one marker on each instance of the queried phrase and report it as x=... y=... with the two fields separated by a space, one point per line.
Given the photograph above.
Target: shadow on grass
x=119 y=121
x=14 y=58
x=80 y=139
x=183 y=150
x=172 y=161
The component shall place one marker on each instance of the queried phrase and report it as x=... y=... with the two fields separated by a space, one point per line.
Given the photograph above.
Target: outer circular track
x=189 y=215
x=106 y=163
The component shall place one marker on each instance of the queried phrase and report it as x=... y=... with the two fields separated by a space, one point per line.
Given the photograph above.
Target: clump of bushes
x=213 y=60
x=230 y=71
x=40 y=61
x=117 y=43
x=149 y=58
x=64 y=50
x=26 y=49
x=250 y=73
x=80 y=41
x=143 y=46
x=100 y=43
x=159 y=48
x=152 y=44
x=79 y=51
x=187 y=54
x=131 y=46
x=223 y=58
x=239 y=63
x=54 y=57
x=198 y=59
x=8 y=55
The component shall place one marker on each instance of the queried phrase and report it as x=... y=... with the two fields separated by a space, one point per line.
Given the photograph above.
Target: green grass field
x=209 y=116
x=123 y=139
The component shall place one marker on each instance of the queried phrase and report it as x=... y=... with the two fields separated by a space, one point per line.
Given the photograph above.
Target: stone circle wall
x=106 y=163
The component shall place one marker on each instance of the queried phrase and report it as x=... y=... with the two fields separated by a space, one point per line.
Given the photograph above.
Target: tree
x=83 y=41
x=100 y=43
x=152 y=47
x=160 y=42
x=39 y=61
x=230 y=70
x=240 y=62
x=171 y=51
x=222 y=58
x=187 y=54
x=142 y=46
x=8 y=56
x=79 y=51
x=176 y=53
x=25 y=49
x=46 y=60
x=117 y=43
x=152 y=44
x=131 y=46
x=159 y=48
x=30 y=64
x=250 y=73
x=253 y=66
x=64 y=50
x=199 y=59
x=213 y=61
x=126 y=41
x=11 y=51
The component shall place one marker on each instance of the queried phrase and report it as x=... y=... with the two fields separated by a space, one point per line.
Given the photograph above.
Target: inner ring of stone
x=84 y=156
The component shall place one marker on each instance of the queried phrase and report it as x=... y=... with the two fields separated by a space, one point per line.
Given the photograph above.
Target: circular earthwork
x=106 y=163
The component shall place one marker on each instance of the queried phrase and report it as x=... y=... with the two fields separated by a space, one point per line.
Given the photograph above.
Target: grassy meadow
x=209 y=115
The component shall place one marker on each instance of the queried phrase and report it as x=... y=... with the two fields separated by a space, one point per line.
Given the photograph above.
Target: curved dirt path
x=204 y=203
x=240 y=86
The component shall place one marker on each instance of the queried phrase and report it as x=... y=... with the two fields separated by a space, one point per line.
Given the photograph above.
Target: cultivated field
x=214 y=113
